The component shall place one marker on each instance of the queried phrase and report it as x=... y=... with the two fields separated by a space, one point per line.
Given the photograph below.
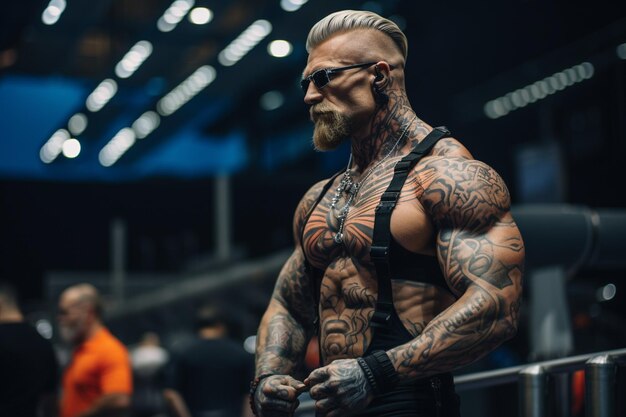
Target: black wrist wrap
x=380 y=372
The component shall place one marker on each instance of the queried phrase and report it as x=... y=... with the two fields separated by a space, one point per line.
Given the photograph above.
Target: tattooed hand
x=277 y=396
x=339 y=388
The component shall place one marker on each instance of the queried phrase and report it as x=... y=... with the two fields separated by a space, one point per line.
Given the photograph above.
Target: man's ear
x=379 y=83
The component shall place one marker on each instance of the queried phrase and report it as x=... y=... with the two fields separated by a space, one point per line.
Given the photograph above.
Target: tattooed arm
x=285 y=329
x=481 y=253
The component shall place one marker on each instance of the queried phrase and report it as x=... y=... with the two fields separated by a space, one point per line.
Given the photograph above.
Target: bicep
x=492 y=260
x=478 y=241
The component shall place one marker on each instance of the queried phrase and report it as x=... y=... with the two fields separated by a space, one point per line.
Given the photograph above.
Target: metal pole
x=222 y=217
x=600 y=374
x=532 y=391
x=562 y=383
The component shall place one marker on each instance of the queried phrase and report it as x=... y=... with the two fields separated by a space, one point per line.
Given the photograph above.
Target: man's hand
x=339 y=388
x=277 y=396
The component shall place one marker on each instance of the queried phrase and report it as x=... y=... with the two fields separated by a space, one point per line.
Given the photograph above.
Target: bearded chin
x=331 y=129
x=68 y=335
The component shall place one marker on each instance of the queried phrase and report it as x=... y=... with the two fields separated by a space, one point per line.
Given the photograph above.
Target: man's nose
x=312 y=95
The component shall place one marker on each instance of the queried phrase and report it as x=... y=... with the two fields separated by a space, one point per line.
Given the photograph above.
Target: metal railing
x=600 y=381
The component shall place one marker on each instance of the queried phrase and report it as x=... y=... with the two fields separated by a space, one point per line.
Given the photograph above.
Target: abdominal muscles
x=347 y=301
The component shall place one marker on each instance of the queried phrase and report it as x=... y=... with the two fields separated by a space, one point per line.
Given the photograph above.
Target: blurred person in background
x=28 y=366
x=408 y=263
x=148 y=359
x=212 y=372
x=98 y=379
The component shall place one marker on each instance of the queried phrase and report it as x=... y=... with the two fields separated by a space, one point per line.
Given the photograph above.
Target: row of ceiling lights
x=173 y=100
x=538 y=90
x=531 y=93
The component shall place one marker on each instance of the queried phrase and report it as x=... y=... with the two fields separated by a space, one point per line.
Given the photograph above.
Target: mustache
x=317 y=111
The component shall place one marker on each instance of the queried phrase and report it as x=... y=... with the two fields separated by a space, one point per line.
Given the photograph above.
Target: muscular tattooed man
x=408 y=263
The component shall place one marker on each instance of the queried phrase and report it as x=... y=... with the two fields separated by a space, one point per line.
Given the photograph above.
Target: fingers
x=324 y=390
x=273 y=407
x=277 y=396
x=294 y=383
x=317 y=376
x=284 y=388
x=325 y=406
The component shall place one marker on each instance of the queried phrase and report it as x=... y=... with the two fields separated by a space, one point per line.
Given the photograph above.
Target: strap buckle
x=402 y=166
x=390 y=196
x=381 y=315
x=443 y=129
x=388 y=202
x=379 y=253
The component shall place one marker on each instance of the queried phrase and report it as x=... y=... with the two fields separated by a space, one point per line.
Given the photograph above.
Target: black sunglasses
x=321 y=77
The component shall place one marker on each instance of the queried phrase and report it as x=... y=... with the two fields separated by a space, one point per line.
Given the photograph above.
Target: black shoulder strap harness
x=381 y=239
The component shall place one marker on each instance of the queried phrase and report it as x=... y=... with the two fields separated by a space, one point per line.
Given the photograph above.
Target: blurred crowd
x=92 y=373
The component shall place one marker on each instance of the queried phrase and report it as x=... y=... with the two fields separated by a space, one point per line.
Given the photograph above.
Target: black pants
x=429 y=397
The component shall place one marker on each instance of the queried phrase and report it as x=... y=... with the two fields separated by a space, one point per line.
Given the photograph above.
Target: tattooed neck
x=386 y=127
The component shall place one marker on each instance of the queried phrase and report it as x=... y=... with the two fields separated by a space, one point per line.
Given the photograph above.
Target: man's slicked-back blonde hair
x=345 y=20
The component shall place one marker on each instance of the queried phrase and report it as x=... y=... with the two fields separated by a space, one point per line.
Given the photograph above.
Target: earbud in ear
x=379 y=75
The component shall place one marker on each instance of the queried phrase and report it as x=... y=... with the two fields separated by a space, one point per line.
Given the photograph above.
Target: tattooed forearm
x=288 y=322
x=463 y=333
x=282 y=346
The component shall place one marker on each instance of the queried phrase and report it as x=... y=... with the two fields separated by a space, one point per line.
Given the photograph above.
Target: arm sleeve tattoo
x=287 y=323
x=481 y=253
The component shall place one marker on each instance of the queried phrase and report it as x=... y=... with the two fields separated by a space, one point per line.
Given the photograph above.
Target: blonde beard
x=331 y=128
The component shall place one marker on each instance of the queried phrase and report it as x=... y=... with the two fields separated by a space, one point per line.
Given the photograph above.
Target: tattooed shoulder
x=304 y=206
x=460 y=192
x=451 y=147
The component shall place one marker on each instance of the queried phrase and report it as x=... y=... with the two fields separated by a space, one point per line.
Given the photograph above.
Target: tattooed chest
x=320 y=234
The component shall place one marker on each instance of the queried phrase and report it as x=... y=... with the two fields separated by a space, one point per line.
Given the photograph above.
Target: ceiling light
x=292 y=5
x=279 y=48
x=186 y=90
x=101 y=95
x=145 y=124
x=531 y=93
x=77 y=124
x=174 y=14
x=272 y=100
x=133 y=59
x=163 y=26
x=53 y=146
x=200 y=16
x=71 y=148
x=116 y=147
x=247 y=40
x=52 y=13
x=606 y=293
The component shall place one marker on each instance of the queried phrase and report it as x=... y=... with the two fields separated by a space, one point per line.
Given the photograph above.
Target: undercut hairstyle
x=346 y=20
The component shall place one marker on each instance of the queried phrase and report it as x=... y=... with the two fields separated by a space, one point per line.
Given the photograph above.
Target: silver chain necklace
x=349 y=186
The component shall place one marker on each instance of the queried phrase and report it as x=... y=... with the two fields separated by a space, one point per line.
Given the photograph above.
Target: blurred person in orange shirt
x=98 y=379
